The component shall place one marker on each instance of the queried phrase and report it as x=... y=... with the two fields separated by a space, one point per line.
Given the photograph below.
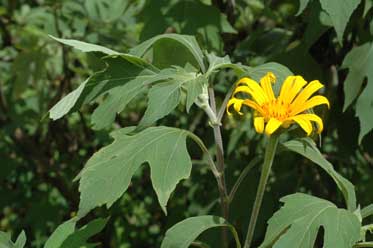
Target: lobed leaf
x=297 y=223
x=108 y=173
x=359 y=61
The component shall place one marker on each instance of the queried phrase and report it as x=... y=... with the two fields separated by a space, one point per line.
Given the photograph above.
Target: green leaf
x=84 y=46
x=21 y=240
x=297 y=223
x=359 y=61
x=63 y=106
x=307 y=148
x=66 y=235
x=218 y=63
x=108 y=173
x=194 y=88
x=81 y=236
x=60 y=234
x=302 y=5
x=367 y=211
x=191 y=53
x=165 y=96
x=185 y=232
x=340 y=12
x=6 y=242
x=124 y=78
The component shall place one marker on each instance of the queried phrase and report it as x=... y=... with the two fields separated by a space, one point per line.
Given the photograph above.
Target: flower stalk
x=267 y=164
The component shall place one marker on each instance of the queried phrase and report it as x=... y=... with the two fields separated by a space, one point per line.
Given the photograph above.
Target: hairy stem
x=224 y=199
x=267 y=164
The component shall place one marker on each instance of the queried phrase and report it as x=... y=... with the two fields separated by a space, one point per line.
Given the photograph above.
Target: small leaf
x=108 y=173
x=80 y=237
x=63 y=106
x=6 y=241
x=340 y=12
x=60 y=234
x=217 y=63
x=297 y=223
x=367 y=211
x=21 y=240
x=84 y=46
x=185 y=232
x=194 y=88
x=307 y=148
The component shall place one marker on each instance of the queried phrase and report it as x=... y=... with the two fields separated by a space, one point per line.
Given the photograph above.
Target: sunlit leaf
x=108 y=173
x=297 y=223
x=84 y=46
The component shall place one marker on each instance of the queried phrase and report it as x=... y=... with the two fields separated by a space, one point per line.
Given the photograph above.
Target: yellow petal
x=314 y=101
x=253 y=88
x=237 y=103
x=259 y=124
x=266 y=84
x=253 y=105
x=291 y=87
x=272 y=125
x=314 y=118
x=303 y=122
x=303 y=96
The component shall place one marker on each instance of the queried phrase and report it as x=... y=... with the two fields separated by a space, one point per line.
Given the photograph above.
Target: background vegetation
x=40 y=158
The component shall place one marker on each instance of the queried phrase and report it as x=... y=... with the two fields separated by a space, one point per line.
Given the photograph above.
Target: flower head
x=289 y=107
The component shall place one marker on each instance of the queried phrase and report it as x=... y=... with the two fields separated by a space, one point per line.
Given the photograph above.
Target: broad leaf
x=359 y=61
x=124 y=78
x=307 y=148
x=6 y=242
x=165 y=96
x=67 y=236
x=185 y=232
x=84 y=46
x=297 y=223
x=340 y=12
x=108 y=173
x=165 y=45
x=60 y=234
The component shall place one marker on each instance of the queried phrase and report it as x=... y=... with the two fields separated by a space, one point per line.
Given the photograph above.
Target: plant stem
x=224 y=199
x=267 y=164
x=363 y=244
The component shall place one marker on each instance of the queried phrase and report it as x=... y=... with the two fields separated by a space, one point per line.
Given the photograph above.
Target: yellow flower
x=289 y=107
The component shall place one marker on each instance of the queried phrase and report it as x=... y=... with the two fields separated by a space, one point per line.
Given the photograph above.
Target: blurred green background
x=40 y=158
